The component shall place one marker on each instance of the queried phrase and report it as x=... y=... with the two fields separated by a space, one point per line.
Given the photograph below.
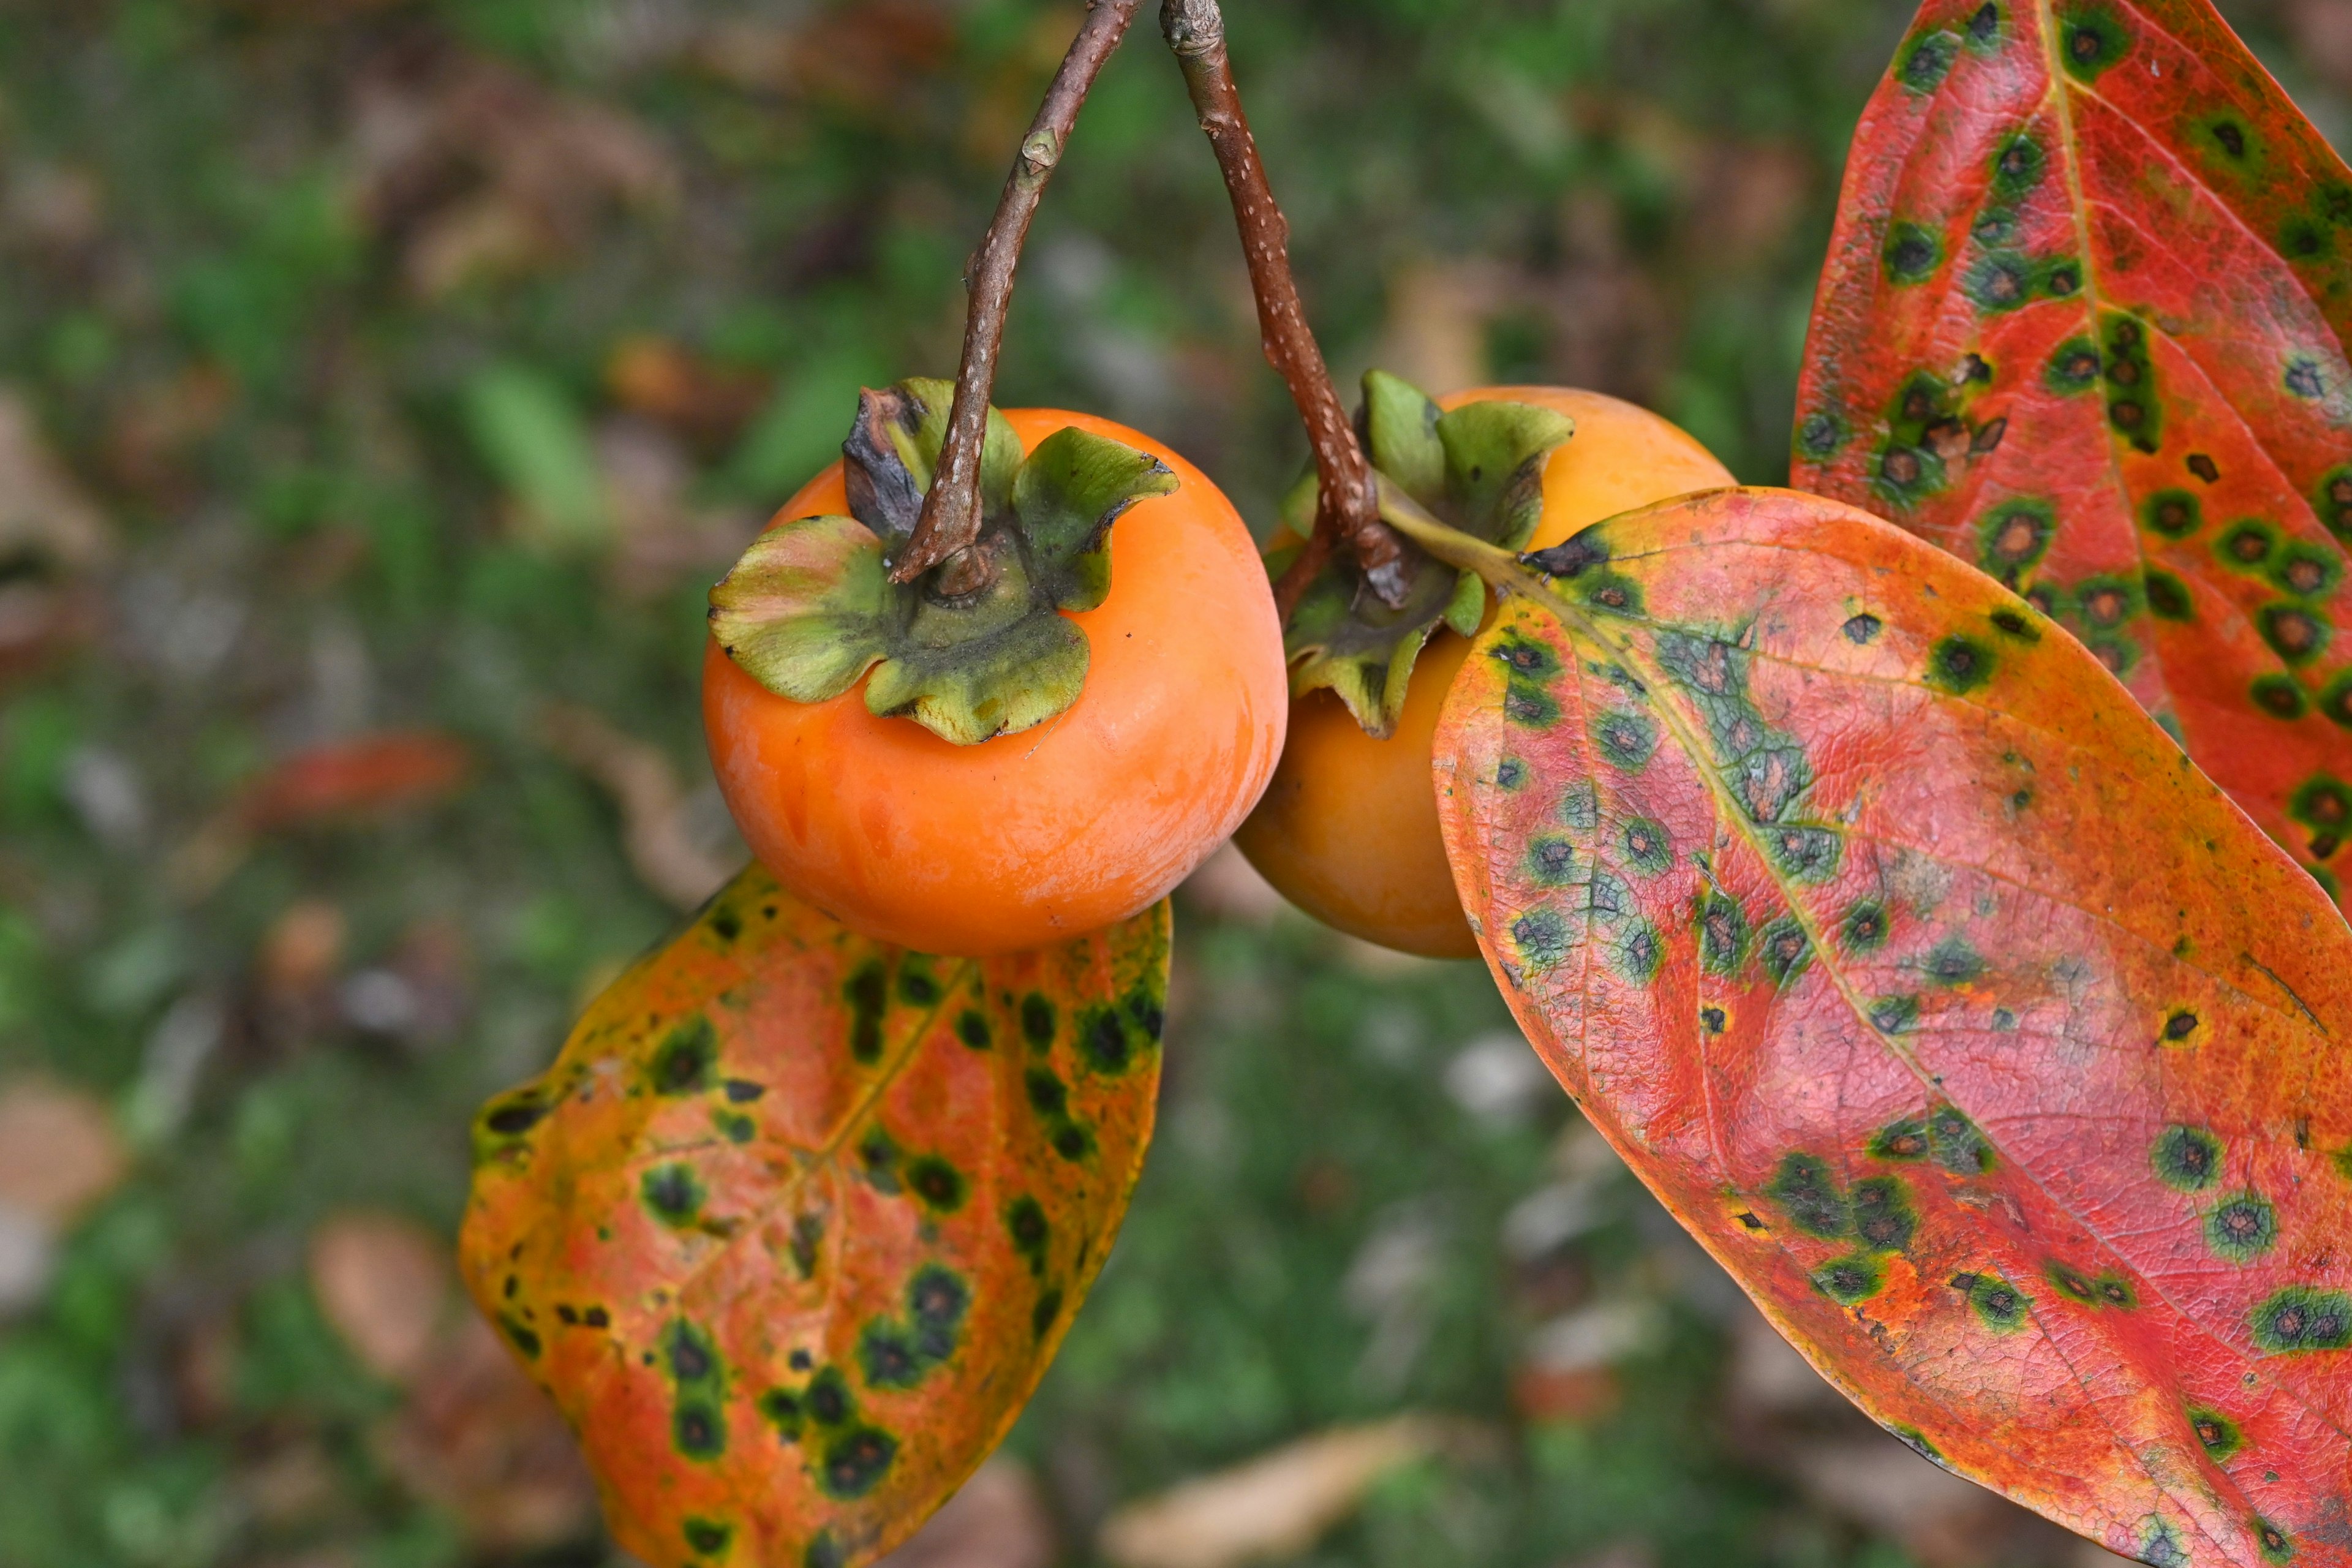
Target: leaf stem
x=950 y=521
x=1347 y=506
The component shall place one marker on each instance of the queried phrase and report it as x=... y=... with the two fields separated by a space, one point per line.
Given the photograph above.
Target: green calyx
x=810 y=608
x=1478 y=468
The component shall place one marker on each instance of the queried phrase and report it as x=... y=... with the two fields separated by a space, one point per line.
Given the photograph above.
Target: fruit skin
x=1348 y=830
x=1036 y=838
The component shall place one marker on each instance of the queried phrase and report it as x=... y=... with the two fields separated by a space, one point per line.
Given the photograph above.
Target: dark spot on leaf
x=1713 y=1019
x=2295 y=634
x=1901 y=1141
x=2176 y=515
x=1541 y=938
x=939 y=1185
x=2303 y=379
x=742 y=1091
x=2186 y=1159
x=1847 y=1280
x=1552 y=861
x=1049 y=1310
x=1785 y=950
x=1047 y=1092
x=1037 y=1021
x=1103 y=1038
x=1821 y=436
x=708 y=1536
x=2181 y=1025
x=1957 y=1144
x=683 y=1063
x=2241 y=1229
x=918 y=987
x=516 y=1117
x=971 y=1028
x=1860 y=629
x=1806 y=1191
x=2302 y=1318
x=856 y=1462
x=866 y=992
x=1723 y=935
x=2204 y=468
x=828 y=1400
x=1923 y=66
x=1912 y=253
x=1626 y=740
x=673 y=1192
x=2280 y=697
x=698 y=1428
x=1570 y=558
x=1998 y=1305
x=1025 y=1222
x=1959 y=664
x=1883 y=1220
x=2167 y=597
x=1954 y=962
x=1646 y=845
x=1529 y=706
x=1895 y=1015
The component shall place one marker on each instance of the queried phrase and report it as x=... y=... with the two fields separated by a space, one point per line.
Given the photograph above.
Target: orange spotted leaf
x=1984 y=1041
x=796 y=1221
x=2083 y=325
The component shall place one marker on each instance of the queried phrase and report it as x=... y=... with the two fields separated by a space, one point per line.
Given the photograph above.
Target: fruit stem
x=950 y=521
x=1465 y=551
x=1347 y=505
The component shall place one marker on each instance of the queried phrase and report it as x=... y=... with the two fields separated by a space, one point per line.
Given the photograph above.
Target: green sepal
x=1069 y=492
x=809 y=609
x=1479 y=468
x=919 y=445
x=1400 y=428
x=1468 y=607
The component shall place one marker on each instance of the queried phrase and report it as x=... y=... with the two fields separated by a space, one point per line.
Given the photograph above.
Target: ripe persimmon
x=1076 y=813
x=1348 y=830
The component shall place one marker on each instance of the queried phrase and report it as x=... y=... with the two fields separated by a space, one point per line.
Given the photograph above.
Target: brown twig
x=950 y=521
x=1347 y=506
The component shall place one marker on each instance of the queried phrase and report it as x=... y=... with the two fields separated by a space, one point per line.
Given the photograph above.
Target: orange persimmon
x=1348 y=830
x=1041 y=835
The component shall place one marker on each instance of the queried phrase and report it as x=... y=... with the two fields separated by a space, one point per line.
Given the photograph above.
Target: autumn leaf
x=1980 y=1037
x=796 y=1221
x=2083 y=325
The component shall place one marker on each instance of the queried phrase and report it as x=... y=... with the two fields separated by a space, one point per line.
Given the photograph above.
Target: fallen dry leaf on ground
x=998 y=1521
x=1274 y=1507
x=369 y=775
x=47 y=523
x=655 y=831
x=383 y=1282
x=59 y=1152
x=479 y=1438
x=706 y=404
x=474 y=170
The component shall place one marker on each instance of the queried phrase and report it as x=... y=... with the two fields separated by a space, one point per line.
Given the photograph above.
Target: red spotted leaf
x=2083 y=325
x=1983 y=1040
x=796 y=1221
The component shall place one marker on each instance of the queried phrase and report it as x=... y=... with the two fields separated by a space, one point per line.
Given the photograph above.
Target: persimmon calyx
x=810 y=608
x=1478 y=469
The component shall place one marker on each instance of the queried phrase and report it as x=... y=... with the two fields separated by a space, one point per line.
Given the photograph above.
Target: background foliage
x=382 y=381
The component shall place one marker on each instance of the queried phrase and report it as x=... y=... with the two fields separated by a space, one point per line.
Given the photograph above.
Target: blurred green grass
x=390 y=366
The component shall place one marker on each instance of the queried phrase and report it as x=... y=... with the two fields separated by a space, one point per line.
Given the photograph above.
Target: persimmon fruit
x=1348 y=830
x=1038 y=836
